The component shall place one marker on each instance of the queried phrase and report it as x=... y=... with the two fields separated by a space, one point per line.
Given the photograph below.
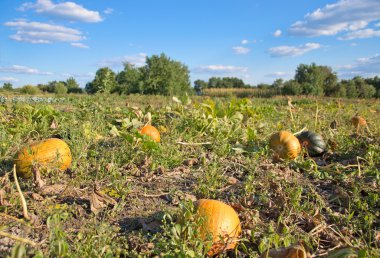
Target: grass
x=210 y=148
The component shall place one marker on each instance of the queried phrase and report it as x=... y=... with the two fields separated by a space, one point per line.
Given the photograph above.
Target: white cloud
x=220 y=69
x=365 y=66
x=64 y=10
x=244 y=41
x=282 y=51
x=137 y=60
x=79 y=76
x=37 y=32
x=241 y=50
x=108 y=11
x=79 y=45
x=377 y=25
x=278 y=75
x=353 y=44
x=23 y=70
x=277 y=33
x=361 y=34
x=8 y=79
x=342 y=16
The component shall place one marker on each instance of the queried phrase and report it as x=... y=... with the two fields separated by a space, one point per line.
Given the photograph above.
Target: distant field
x=213 y=147
x=241 y=92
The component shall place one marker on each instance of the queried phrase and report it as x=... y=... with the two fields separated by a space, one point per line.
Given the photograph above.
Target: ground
x=125 y=195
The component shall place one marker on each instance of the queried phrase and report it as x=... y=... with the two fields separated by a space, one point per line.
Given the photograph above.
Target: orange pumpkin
x=46 y=154
x=358 y=121
x=152 y=132
x=285 y=145
x=221 y=222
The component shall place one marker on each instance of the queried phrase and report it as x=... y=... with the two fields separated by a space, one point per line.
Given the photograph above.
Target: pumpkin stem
x=23 y=202
x=303 y=129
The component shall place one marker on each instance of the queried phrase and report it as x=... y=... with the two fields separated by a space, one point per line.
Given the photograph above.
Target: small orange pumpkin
x=358 y=121
x=220 y=221
x=46 y=154
x=285 y=144
x=152 y=132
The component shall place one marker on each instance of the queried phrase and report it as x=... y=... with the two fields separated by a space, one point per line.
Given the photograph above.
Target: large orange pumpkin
x=221 y=222
x=285 y=144
x=152 y=132
x=46 y=154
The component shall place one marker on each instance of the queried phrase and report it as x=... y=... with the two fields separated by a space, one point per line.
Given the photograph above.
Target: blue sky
x=255 y=40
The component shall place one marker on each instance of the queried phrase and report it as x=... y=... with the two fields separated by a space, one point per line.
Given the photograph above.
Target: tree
x=226 y=82
x=60 y=88
x=291 y=87
x=315 y=80
x=263 y=86
x=30 y=89
x=72 y=86
x=375 y=82
x=129 y=80
x=8 y=86
x=278 y=83
x=199 y=86
x=104 y=82
x=365 y=90
x=164 y=76
x=351 y=91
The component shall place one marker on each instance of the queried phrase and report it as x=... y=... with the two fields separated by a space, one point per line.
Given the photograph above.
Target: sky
x=255 y=40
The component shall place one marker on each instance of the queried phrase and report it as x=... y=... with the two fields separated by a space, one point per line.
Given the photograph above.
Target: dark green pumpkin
x=313 y=142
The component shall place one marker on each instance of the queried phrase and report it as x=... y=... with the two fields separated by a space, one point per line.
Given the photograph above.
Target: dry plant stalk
x=23 y=201
x=17 y=238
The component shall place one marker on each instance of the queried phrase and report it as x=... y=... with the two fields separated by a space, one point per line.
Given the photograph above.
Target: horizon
x=46 y=40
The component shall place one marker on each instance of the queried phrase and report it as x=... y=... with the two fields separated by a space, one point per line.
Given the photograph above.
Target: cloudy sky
x=256 y=40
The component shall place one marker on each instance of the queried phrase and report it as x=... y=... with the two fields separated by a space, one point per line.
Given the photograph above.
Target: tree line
x=163 y=76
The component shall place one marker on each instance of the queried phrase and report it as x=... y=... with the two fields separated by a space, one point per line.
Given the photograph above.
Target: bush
x=30 y=89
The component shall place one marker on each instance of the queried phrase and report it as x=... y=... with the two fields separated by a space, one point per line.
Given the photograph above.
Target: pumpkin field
x=81 y=177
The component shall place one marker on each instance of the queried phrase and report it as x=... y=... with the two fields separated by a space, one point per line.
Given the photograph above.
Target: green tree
x=315 y=80
x=104 y=82
x=60 y=88
x=375 y=82
x=72 y=86
x=226 y=82
x=30 y=89
x=291 y=87
x=278 y=83
x=364 y=89
x=214 y=82
x=199 y=86
x=8 y=86
x=129 y=80
x=164 y=76
x=351 y=90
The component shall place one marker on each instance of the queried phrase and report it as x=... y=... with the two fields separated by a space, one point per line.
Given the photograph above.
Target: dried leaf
x=148 y=118
x=150 y=225
x=191 y=162
x=54 y=125
x=55 y=189
x=3 y=201
x=232 y=180
x=37 y=178
x=99 y=200
x=293 y=251
x=5 y=186
x=175 y=99
x=343 y=253
x=37 y=197
x=237 y=207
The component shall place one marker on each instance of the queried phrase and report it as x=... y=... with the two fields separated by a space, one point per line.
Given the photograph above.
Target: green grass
x=210 y=148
